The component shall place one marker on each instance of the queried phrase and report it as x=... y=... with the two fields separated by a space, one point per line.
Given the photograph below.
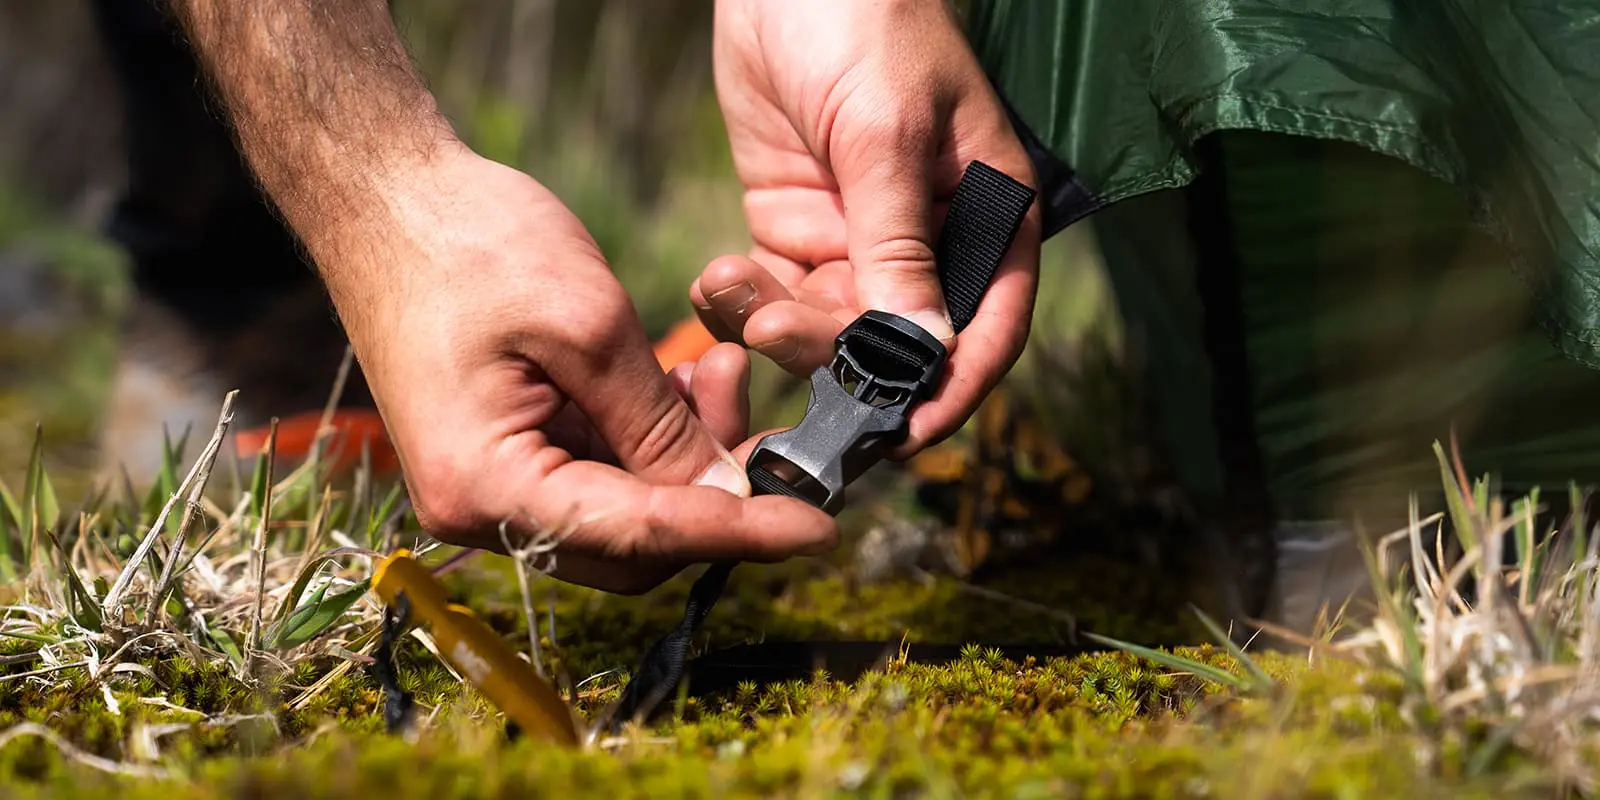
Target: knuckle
x=671 y=430
x=901 y=254
x=896 y=121
x=896 y=124
x=874 y=115
x=900 y=267
x=442 y=505
x=594 y=333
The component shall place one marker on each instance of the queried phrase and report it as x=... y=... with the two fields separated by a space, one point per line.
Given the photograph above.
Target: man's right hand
x=509 y=365
x=518 y=384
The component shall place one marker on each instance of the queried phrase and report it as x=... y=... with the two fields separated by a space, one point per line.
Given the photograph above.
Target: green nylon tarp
x=1497 y=102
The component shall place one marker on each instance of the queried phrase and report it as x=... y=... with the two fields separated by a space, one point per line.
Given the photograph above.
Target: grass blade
x=261 y=489
x=36 y=638
x=1176 y=662
x=1262 y=680
x=8 y=502
x=39 y=505
x=1460 y=519
x=309 y=571
x=261 y=478
x=167 y=482
x=1528 y=561
x=379 y=517
x=223 y=641
x=315 y=616
x=11 y=553
x=80 y=604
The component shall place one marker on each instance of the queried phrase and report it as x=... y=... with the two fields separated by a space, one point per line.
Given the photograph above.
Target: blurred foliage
x=60 y=130
x=54 y=361
x=609 y=104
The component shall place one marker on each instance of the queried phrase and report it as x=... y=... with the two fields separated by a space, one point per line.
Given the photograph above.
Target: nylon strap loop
x=985 y=214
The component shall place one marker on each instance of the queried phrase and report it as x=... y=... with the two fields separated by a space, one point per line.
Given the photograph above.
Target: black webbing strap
x=985 y=213
x=890 y=366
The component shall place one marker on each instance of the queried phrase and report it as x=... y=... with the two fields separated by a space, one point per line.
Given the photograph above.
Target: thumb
x=885 y=180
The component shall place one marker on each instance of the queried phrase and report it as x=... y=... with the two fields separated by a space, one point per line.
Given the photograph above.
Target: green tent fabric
x=1391 y=207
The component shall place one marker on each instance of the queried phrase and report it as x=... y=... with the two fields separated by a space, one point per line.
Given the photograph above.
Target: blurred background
x=610 y=103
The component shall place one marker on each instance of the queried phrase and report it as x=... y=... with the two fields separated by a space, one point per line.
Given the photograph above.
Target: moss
x=812 y=599
x=1096 y=725
x=1092 y=726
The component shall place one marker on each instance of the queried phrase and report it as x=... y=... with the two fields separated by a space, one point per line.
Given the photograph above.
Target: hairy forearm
x=326 y=104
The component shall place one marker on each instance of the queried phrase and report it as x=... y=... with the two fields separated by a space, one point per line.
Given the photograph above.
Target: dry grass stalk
x=540 y=542
x=192 y=508
x=258 y=552
x=112 y=606
x=85 y=758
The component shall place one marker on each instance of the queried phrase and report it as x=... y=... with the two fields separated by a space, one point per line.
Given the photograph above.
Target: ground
x=89 y=706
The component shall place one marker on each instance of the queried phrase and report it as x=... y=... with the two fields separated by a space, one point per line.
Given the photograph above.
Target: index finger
x=615 y=532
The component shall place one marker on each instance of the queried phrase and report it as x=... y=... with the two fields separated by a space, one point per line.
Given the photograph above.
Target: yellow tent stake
x=477 y=652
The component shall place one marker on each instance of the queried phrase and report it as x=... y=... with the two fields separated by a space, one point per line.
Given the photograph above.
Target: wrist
x=381 y=219
x=332 y=187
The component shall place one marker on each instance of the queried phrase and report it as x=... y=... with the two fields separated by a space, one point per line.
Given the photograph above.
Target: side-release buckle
x=883 y=365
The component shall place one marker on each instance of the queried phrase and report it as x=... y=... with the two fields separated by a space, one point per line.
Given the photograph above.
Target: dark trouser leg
x=1168 y=261
x=223 y=298
x=1351 y=317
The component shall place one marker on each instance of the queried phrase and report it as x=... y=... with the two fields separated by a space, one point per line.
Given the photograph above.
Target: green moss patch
x=1101 y=725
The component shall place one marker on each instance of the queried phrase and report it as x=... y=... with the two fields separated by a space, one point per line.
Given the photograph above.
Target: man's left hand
x=850 y=124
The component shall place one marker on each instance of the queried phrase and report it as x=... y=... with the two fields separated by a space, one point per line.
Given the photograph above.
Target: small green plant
x=1499 y=657
x=1500 y=654
x=1254 y=681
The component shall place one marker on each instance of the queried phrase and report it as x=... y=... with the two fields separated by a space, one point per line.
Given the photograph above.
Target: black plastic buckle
x=883 y=365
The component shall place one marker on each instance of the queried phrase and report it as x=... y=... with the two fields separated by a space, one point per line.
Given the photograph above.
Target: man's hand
x=516 y=380
x=510 y=367
x=851 y=123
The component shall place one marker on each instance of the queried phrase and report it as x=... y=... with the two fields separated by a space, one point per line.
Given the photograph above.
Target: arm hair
x=322 y=96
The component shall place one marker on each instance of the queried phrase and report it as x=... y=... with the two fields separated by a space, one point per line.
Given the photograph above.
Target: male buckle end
x=883 y=365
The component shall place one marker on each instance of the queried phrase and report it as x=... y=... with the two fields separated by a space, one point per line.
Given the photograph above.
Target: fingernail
x=782 y=351
x=738 y=295
x=726 y=475
x=934 y=322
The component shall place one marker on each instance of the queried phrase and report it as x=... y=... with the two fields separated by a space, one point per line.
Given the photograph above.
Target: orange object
x=351 y=427
x=688 y=340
